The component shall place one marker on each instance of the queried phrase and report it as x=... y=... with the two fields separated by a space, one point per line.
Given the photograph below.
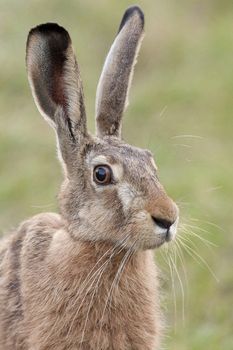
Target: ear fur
x=54 y=77
x=116 y=76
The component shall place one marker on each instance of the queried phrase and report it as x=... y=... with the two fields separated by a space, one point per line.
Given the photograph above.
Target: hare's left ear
x=117 y=74
x=56 y=85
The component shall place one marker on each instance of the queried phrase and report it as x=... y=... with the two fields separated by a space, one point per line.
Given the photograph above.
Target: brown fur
x=47 y=276
x=86 y=279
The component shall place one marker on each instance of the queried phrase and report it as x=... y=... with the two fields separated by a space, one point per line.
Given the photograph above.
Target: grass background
x=183 y=85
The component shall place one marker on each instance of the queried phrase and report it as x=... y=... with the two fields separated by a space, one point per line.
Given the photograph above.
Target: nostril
x=163 y=223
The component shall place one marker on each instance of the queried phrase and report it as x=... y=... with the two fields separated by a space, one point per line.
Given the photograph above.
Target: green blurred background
x=181 y=108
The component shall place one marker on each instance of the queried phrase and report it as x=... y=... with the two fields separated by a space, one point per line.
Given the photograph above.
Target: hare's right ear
x=116 y=76
x=56 y=85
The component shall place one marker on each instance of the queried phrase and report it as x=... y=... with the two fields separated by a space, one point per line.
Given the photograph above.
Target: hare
x=86 y=278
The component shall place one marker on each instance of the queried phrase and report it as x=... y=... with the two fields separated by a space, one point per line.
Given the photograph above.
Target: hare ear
x=117 y=73
x=55 y=83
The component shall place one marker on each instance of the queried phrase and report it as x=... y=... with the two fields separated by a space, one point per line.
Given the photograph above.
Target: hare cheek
x=126 y=196
x=117 y=171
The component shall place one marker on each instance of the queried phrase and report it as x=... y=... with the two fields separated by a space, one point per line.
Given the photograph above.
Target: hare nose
x=163 y=223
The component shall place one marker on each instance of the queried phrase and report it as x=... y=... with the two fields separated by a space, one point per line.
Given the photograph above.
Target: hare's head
x=111 y=190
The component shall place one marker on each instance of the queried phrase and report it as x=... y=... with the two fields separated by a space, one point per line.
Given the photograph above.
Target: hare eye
x=102 y=175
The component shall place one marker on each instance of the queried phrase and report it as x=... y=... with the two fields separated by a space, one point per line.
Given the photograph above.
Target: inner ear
x=56 y=86
x=54 y=75
x=55 y=70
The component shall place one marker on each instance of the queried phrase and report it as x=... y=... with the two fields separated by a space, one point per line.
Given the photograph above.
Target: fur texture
x=86 y=279
x=117 y=73
x=51 y=301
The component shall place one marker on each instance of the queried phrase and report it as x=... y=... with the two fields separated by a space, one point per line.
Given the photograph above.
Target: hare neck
x=111 y=292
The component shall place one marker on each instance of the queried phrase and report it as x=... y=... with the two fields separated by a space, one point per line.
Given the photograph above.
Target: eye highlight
x=102 y=174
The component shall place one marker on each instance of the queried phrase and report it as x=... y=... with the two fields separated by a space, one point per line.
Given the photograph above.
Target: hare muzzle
x=165 y=217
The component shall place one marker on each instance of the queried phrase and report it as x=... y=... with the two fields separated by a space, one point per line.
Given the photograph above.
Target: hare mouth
x=163 y=235
x=166 y=230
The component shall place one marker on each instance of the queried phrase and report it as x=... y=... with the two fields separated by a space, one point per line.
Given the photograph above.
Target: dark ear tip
x=56 y=37
x=131 y=11
x=47 y=29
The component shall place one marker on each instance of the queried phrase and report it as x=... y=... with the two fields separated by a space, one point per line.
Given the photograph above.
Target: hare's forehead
x=124 y=158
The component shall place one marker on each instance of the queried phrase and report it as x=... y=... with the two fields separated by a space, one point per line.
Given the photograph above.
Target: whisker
x=208 y=223
x=181 y=287
x=90 y=305
x=187 y=136
x=205 y=241
x=195 y=256
x=181 y=145
x=188 y=240
x=119 y=271
x=195 y=227
x=110 y=250
x=173 y=284
x=93 y=278
x=181 y=257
